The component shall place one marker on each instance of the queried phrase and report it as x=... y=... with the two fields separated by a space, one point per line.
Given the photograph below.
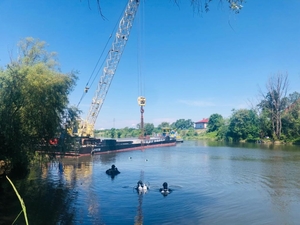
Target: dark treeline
x=180 y=126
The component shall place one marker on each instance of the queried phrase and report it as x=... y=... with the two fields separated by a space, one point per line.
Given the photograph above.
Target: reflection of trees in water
x=78 y=173
x=51 y=199
x=48 y=201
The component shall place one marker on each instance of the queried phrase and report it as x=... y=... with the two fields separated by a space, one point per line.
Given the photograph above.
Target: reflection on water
x=138 y=220
x=213 y=184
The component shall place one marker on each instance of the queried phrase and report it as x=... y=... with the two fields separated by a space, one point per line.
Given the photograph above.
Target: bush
x=296 y=141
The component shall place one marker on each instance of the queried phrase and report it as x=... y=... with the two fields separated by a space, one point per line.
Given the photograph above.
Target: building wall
x=200 y=125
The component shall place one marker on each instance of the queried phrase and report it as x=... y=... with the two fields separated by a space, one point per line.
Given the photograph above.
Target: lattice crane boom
x=111 y=64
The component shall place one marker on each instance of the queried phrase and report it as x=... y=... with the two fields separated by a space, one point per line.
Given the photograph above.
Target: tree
x=291 y=117
x=265 y=125
x=71 y=119
x=112 y=132
x=215 y=122
x=125 y=132
x=199 y=5
x=33 y=100
x=275 y=101
x=243 y=125
x=163 y=124
x=293 y=99
x=222 y=133
x=182 y=124
x=119 y=133
x=291 y=123
x=148 y=128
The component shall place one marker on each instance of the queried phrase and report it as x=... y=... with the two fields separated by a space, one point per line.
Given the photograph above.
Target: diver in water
x=112 y=171
x=141 y=187
x=165 y=190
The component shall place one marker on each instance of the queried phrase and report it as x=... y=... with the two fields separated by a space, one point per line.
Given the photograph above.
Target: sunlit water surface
x=212 y=184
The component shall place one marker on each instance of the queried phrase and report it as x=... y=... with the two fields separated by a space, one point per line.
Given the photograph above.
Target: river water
x=211 y=183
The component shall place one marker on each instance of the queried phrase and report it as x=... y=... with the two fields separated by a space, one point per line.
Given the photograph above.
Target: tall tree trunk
x=277 y=88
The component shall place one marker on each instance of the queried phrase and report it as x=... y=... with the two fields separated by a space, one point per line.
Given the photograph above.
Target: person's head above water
x=165 y=185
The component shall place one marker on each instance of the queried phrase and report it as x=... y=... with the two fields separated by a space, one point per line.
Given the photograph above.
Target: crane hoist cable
x=140 y=50
x=140 y=53
x=88 y=85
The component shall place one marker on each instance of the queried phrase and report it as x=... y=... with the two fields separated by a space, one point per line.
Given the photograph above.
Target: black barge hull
x=111 y=145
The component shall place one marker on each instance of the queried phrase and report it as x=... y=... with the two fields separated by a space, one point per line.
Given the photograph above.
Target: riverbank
x=212 y=136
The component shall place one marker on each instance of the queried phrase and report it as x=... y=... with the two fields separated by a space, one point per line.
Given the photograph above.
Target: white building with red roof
x=202 y=124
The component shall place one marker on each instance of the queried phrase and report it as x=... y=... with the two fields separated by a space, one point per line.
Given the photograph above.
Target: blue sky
x=192 y=65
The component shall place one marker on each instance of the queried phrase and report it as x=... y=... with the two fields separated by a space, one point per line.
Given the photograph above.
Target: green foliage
x=118 y=133
x=33 y=99
x=163 y=124
x=191 y=132
x=265 y=125
x=243 y=124
x=279 y=115
x=234 y=5
x=148 y=128
x=293 y=98
x=182 y=124
x=222 y=132
x=211 y=135
x=112 y=132
x=215 y=122
x=291 y=122
x=71 y=119
x=199 y=5
x=297 y=141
